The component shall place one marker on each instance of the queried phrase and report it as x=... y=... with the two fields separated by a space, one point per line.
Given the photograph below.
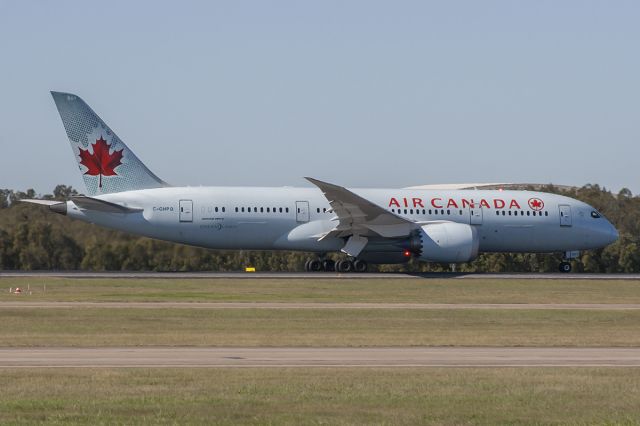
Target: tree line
x=32 y=238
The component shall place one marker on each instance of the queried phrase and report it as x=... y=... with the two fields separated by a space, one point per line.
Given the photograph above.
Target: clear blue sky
x=360 y=93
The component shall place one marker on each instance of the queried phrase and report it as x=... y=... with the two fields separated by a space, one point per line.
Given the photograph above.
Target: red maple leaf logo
x=100 y=163
x=536 y=203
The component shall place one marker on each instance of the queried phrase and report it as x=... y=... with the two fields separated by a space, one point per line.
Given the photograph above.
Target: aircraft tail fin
x=106 y=163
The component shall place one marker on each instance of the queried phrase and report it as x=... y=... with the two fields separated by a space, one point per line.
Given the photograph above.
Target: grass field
x=325 y=290
x=316 y=327
x=321 y=396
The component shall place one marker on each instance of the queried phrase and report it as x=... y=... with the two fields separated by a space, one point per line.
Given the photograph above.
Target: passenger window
x=280 y=209
x=497 y=213
x=287 y=209
x=236 y=210
x=448 y=211
x=216 y=210
x=503 y=213
x=441 y=211
x=435 y=211
x=318 y=209
x=546 y=213
x=429 y=211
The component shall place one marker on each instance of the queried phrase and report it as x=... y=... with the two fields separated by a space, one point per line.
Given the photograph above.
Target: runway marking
x=316 y=275
x=320 y=357
x=319 y=305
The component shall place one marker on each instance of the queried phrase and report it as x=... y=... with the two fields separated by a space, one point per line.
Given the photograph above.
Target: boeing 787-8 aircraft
x=367 y=225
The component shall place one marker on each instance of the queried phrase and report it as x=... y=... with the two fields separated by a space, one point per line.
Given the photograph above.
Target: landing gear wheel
x=344 y=266
x=565 y=267
x=306 y=265
x=360 y=266
x=315 y=265
x=329 y=265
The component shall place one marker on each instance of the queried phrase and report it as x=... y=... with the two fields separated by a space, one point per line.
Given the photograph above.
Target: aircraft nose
x=608 y=234
x=613 y=234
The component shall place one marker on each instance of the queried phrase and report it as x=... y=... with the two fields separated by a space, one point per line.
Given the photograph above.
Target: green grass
x=316 y=327
x=325 y=290
x=321 y=396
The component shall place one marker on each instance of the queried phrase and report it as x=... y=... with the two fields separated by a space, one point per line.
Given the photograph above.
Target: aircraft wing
x=359 y=218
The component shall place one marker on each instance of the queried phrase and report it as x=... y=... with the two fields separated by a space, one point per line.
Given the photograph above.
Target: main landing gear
x=328 y=265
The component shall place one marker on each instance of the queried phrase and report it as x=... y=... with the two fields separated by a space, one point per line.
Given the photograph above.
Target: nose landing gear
x=565 y=267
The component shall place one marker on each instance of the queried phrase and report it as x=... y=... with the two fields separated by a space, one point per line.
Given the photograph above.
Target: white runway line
x=319 y=305
x=320 y=357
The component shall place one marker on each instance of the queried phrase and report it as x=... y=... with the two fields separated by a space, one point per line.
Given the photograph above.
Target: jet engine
x=448 y=242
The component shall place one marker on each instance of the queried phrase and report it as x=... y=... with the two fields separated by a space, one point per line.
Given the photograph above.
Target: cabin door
x=565 y=215
x=475 y=213
x=302 y=211
x=186 y=211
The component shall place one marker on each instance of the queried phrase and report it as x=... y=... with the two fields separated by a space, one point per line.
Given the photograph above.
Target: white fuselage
x=256 y=218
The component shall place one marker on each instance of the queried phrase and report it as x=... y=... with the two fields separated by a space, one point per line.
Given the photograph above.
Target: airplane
x=367 y=225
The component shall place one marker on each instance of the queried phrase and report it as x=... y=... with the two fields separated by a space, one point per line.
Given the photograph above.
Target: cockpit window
x=595 y=214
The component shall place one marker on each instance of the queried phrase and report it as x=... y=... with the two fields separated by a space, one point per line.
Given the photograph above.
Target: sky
x=357 y=93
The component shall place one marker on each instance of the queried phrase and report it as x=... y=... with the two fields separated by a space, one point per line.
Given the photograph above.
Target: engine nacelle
x=448 y=242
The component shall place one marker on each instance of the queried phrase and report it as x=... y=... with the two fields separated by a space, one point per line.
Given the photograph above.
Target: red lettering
x=466 y=203
x=498 y=203
x=515 y=204
x=394 y=202
x=433 y=202
x=417 y=202
x=405 y=202
x=452 y=203
x=485 y=204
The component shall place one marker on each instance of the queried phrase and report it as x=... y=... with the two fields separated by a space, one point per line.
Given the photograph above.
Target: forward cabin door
x=565 y=215
x=302 y=211
x=186 y=211
x=475 y=214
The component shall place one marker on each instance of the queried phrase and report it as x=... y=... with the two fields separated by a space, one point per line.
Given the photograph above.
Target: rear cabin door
x=475 y=213
x=565 y=215
x=302 y=211
x=186 y=211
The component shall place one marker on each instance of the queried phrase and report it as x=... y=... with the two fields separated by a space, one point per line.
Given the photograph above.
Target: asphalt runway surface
x=318 y=305
x=316 y=275
x=320 y=357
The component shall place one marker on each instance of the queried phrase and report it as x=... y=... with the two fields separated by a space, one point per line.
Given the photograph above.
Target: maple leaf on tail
x=100 y=163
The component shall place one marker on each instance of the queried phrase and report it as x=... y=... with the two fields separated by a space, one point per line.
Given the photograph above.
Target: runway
x=314 y=275
x=320 y=357
x=318 y=305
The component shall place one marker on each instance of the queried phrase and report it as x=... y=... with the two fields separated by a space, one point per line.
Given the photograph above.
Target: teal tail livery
x=431 y=223
x=106 y=163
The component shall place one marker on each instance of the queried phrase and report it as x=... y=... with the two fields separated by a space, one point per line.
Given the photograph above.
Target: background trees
x=33 y=238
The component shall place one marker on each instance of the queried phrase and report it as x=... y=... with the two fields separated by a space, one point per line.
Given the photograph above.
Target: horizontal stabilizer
x=54 y=206
x=95 y=204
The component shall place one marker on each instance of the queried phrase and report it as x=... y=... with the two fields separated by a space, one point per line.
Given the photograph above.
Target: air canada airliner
x=369 y=226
